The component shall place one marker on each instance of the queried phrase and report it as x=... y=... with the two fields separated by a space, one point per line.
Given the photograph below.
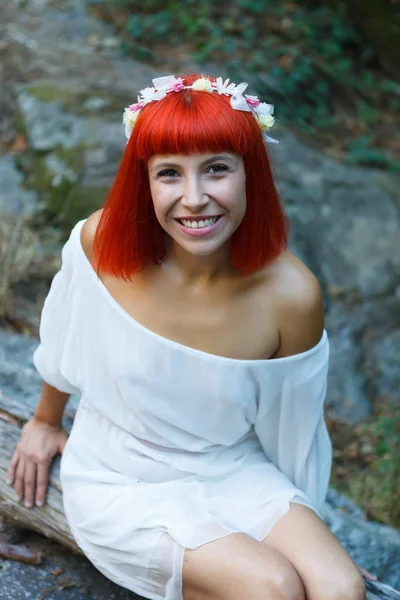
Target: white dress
x=173 y=447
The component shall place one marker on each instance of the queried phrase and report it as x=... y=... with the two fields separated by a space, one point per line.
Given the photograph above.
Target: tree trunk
x=49 y=520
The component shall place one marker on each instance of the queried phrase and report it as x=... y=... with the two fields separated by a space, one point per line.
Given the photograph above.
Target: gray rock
x=346 y=384
x=22 y=582
x=345 y=217
x=373 y=546
x=387 y=354
x=47 y=125
x=20 y=383
x=14 y=199
x=59 y=171
x=364 y=343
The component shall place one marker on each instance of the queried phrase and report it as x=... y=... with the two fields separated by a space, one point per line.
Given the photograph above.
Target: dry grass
x=366 y=464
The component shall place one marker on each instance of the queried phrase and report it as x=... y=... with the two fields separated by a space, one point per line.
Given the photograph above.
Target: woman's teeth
x=199 y=224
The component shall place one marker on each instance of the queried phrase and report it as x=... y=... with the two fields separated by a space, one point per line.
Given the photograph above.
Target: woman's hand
x=30 y=465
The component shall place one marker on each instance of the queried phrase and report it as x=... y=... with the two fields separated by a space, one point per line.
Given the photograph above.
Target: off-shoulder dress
x=173 y=447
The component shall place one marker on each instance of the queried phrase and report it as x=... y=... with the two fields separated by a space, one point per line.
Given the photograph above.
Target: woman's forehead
x=194 y=158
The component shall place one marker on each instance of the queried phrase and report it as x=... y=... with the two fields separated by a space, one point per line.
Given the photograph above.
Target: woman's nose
x=194 y=196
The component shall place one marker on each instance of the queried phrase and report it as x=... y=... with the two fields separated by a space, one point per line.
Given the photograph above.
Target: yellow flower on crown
x=265 y=121
x=202 y=85
x=129 y=120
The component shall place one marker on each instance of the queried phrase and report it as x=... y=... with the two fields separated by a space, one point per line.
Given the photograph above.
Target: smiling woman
x=199 y=458
x=187 y=123
x=199 y=200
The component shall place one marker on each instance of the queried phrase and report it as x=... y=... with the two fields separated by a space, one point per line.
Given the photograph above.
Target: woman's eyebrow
x=170 y=165
x=219 y=157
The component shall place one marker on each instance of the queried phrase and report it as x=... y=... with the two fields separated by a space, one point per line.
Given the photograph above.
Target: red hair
x=129 y=236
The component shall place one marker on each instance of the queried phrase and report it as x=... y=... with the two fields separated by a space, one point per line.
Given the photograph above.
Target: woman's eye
x=218 y=168
x=167 y=173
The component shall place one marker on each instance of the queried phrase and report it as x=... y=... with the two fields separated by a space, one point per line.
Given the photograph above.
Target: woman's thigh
x=326 y=569
x=237 y=567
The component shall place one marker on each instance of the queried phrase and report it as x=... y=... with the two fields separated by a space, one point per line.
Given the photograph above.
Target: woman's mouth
x=199 y=226
x=198 y=223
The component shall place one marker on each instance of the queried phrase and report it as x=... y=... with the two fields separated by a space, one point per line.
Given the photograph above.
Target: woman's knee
x=237 y=567
x=259 y=581
x=286 y=584
x=342 y=586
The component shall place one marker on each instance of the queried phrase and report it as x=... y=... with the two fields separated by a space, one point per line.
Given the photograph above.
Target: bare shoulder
x=88 y=232
x=299 y=305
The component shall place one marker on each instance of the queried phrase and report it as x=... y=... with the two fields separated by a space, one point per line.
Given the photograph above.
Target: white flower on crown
x=265 y=121
x=150 y=93
x=265 y=109
x=202 y=85
x=224 y=87
x=240 y=88
x=129 y=119
x=262 y=111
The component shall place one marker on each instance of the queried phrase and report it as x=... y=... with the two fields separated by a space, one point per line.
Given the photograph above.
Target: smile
x=198 y=223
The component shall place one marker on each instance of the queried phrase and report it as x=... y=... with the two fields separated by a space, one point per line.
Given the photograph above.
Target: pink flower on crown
x=135 y=107
x=252 y=101
x=177 y=86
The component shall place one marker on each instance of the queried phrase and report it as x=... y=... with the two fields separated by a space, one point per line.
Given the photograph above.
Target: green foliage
x=383 y=473
x=367 y=463
x=314 y=55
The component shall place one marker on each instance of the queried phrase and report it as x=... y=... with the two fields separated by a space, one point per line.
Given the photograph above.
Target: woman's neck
x=199 y=270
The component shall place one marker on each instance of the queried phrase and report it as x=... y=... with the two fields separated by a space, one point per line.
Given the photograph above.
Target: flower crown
x=262 y=111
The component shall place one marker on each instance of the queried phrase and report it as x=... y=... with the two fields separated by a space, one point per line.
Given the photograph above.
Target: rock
x=364 y=343
x=14 y=199
x=346 y=383
x=387 y=354
x=371 y=545
x=77 y=139
x=17 y=579
x=344 y=217
x=20 y=383
x=47 y=125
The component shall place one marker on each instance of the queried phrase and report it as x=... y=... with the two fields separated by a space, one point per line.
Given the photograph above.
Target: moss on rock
x=81 y=201
x=79 y=100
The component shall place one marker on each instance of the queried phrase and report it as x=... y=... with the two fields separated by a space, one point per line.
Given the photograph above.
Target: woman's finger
x=29 y=483
x=42 y=480
x=19 y=479
x=12 y=467
x=367 y=574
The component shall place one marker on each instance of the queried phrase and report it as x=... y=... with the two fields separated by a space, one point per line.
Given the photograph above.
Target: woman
x=199 y=458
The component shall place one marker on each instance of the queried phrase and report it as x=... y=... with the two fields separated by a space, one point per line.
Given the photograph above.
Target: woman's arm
x=50 y=408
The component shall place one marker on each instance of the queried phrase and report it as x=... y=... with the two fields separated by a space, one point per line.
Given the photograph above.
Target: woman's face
x=199 y=199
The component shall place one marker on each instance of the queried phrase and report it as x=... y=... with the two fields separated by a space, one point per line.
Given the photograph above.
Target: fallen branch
x=20 y=554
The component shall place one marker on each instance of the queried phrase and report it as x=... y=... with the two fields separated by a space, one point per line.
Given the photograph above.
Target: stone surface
x=14 y=199
x=387 y=354
x=19 y=380
x=344 y=216
x=373 y=546
x=26 y=582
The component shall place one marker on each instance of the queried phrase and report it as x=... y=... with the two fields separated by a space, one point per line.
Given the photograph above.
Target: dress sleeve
x=54 y=357
x=291 y=428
